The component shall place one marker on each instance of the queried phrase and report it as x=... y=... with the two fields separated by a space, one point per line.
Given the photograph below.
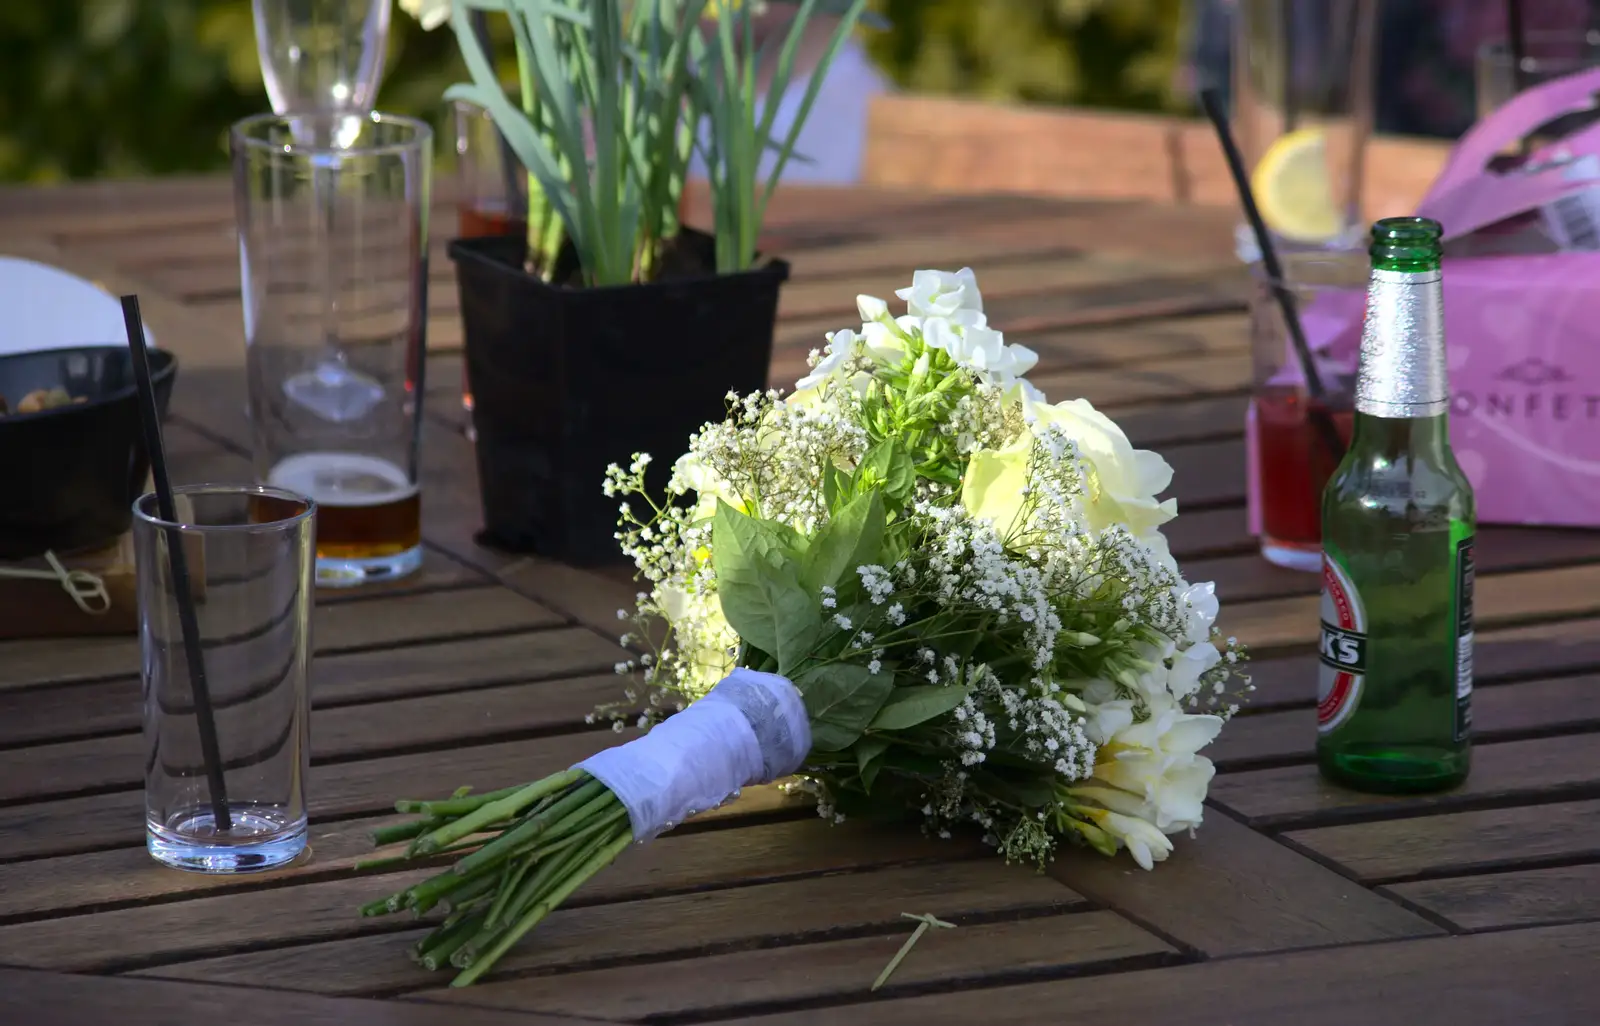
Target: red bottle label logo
x=1343 y=647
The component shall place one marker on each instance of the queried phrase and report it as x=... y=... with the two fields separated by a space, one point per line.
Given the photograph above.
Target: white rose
x=1128 y=478
x=429 y=13
x=709 y=486
x=943 y=294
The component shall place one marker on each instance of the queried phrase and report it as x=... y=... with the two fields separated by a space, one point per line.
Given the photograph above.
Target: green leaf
x=850 y=539
x=911 y=706
x=835 y=487
x=841 y=699
x=867 y=764
x=760 y=592
x=886 y=466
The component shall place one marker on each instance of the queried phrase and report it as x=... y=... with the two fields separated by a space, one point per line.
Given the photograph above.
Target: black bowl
x=69 y=474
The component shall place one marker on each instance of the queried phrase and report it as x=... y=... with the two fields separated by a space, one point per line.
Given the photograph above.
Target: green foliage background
x=93 y=88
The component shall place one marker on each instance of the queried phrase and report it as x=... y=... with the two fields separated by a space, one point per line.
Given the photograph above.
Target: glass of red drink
x=1291 y=455
x=491 y=192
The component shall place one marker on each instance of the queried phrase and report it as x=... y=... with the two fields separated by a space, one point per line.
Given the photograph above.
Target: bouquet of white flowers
x=913 y=582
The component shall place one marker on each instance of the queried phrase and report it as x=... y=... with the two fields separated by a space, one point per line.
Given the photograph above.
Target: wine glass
x=323 y=60
x=322 y=56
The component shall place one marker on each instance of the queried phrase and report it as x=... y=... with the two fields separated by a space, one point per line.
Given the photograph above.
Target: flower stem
x=530 y=829
x=596 y=862
x=500 y=808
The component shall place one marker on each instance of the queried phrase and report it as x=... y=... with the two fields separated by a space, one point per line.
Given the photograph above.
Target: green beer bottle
x=1398 y=519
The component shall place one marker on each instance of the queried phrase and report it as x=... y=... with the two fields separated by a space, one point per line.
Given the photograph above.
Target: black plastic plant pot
x=567 y=380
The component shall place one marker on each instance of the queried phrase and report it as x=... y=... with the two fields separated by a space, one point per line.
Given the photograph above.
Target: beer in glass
x=333 y=252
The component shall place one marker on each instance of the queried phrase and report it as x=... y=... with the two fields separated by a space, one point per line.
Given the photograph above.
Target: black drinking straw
x=1318 y=411
x=210 y=751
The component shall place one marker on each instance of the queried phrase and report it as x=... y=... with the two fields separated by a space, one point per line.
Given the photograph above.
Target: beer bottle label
x=1343 y=647
x=1465 y=574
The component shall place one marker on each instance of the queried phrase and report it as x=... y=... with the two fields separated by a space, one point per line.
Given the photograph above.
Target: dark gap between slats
x=1496 y=867
x=894 y=991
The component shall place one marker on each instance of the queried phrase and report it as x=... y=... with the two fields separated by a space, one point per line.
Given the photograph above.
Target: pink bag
x=1522 y=321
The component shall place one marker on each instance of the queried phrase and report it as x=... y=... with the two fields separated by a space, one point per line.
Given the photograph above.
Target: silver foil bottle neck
x=1403 y=372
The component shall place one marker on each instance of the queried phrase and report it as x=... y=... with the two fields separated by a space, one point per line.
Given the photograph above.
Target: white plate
x=44 y=307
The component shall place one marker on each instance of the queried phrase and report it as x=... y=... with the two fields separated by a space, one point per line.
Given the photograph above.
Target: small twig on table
x=923 y=922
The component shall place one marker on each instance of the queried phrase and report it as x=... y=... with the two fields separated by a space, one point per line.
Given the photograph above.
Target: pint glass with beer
x=333 y=253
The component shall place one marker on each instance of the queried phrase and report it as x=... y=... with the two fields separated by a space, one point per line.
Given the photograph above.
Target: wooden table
x=1297 y=903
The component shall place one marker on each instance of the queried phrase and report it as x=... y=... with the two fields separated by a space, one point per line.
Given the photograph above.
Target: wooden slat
x=1173 y=378
x=1505 y=900
x=1568 y=704
x=209 y=924
x=1526 y=977
x=1230 y=891
x=1501 y=600
x=1462 y=842
x=754 y=916
x=67 y=711
x=1518 y=653
x=832 y=971
x=431 y=721
x=1512 y=771
x=339 y=626
x=71 y=825
x=32 y=998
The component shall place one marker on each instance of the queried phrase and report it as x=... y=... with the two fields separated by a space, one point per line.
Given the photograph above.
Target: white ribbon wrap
x=751 y=728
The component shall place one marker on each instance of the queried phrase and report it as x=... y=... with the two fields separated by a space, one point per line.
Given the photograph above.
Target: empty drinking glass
x=237 y=805
x=1303 y=83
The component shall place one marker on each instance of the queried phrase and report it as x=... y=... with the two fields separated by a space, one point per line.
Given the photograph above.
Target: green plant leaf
x=887 y=466
x=867 y=765
x=841 y=699
x=908 y=707
x=760 y=591
x=850 y=539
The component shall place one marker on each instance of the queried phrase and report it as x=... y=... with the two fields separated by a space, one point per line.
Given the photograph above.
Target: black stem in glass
x=150 y=417
x=1317 y=411
x=1516 y=45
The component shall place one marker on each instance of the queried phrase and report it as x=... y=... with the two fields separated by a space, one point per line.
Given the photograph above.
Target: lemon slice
x=1292 y=188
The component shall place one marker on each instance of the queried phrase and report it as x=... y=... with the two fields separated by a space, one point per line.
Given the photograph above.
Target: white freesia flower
x=1189 y=666
x=1153 y=768
x=872 y=309
x=1144 y=842
x=429 y=13
x=883 y=343
x=1199 y=603
x=1128 y=479
x=980 y=349
x=944 y=294
x=842 y=345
